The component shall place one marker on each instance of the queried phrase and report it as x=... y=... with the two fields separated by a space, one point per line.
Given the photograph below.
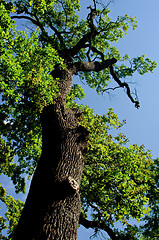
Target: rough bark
x=52 y=208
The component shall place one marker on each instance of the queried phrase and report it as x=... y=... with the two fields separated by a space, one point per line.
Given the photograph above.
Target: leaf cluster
x=12 y=215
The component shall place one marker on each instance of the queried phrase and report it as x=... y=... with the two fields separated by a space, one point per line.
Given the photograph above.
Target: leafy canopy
x=116 y=178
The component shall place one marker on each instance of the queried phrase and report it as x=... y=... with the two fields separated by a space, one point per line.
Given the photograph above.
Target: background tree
x=38 y=112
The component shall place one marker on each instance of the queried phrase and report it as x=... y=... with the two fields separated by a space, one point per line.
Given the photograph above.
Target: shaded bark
x=52 y=208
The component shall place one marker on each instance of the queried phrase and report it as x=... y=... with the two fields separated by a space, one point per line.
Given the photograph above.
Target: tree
x=67 y=148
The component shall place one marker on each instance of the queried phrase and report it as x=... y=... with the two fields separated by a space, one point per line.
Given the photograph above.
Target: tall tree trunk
x=52 y=208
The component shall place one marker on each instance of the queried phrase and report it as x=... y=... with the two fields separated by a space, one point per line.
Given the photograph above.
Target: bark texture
x=52 y=207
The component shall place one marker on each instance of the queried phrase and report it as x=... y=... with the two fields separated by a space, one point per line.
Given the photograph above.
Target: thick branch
x=124 y=84
x=81 y=43
x=93 y=66
x=98 y=224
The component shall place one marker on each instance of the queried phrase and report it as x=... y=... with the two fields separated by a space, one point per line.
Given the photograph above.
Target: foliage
x=12 y=214
x=116 y=178
x=119 y=179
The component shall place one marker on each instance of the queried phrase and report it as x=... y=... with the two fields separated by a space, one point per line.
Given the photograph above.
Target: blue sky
x=143 y=124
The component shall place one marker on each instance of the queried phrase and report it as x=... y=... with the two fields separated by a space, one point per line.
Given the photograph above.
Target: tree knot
x=73 y=183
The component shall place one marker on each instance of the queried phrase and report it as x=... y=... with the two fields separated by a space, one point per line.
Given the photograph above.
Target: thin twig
x=107 y=89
